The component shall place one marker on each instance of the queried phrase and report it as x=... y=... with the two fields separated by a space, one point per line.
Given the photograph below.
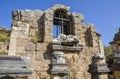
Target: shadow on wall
x=7 y=77
x=41 y=28
x=48 y=56
x=88 y=38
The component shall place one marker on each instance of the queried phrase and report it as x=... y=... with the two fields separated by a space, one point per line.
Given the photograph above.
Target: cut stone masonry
x=32 y=35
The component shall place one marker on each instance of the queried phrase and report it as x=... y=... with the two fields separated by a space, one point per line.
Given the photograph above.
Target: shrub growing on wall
x=108 y=50
x=4 y=35
x=36 y=38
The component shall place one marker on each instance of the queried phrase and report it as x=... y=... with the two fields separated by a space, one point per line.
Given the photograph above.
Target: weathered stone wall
x=114 y=58
x=23 y=29
x=25 y=42
x=4 y=48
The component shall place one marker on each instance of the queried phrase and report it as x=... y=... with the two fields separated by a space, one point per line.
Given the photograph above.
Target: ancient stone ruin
x=110 y=70
x=98 y=68
x=114 y=58
x=57 y=43
x=14 y=67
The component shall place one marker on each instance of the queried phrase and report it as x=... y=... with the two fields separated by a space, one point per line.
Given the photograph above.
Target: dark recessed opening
x=60 y=23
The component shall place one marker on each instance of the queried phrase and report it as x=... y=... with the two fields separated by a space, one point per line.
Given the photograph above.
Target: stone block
x=38 y=46
x=12 y=47
x=48 y=17
x=34 y=25
x=29 y=46
x=21 y=42
x=48 y=39
x=32 y=32
x=4 y=47
x=57 y=6
x=40 y=56
x=21 y=30
x=49 y=11
x=31 y=54
x=37 y=12
x=20 y=50
x=13 y=65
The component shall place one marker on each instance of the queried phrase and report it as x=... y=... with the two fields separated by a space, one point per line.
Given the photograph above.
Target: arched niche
x=61 y=22
x=50 y=26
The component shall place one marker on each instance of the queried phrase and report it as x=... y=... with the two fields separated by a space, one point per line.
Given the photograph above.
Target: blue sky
x=104 y=14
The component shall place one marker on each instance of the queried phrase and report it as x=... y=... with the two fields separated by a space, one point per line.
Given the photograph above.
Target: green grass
x=4 y=35
x=36 y=38
x=108 y=50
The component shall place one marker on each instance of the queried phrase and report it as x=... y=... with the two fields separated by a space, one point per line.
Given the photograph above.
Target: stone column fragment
x=97 y=68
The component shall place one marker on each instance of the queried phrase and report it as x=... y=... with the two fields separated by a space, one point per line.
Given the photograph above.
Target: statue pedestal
x=97 y=68
x=116 y=66
x=59 y=68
